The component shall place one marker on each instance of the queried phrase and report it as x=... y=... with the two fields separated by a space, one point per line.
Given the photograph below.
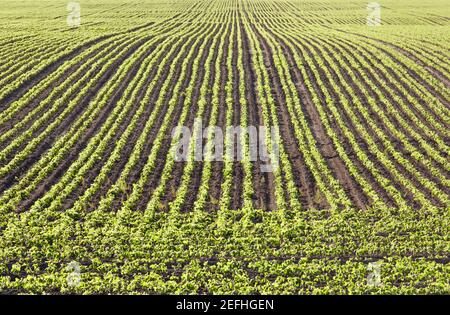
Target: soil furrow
x=396 y=142
x=198 y=168
x=56 y=174
x=374 y=60
x=174 y=181
x=410 y=71
x=125 y=154
x=217 y=166
x=374 y=116
x=305 y=95
x=30 y=82
x=326 y=147
x=238 y=170
x=264 y=181
x=303 y=178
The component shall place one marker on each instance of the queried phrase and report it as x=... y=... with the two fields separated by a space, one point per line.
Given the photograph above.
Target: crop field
x=351 y=197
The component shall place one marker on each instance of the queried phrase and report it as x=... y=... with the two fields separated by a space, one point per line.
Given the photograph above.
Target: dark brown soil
x=96 y=125
x=264 y=184
x=336 y=165
x=177 y=172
